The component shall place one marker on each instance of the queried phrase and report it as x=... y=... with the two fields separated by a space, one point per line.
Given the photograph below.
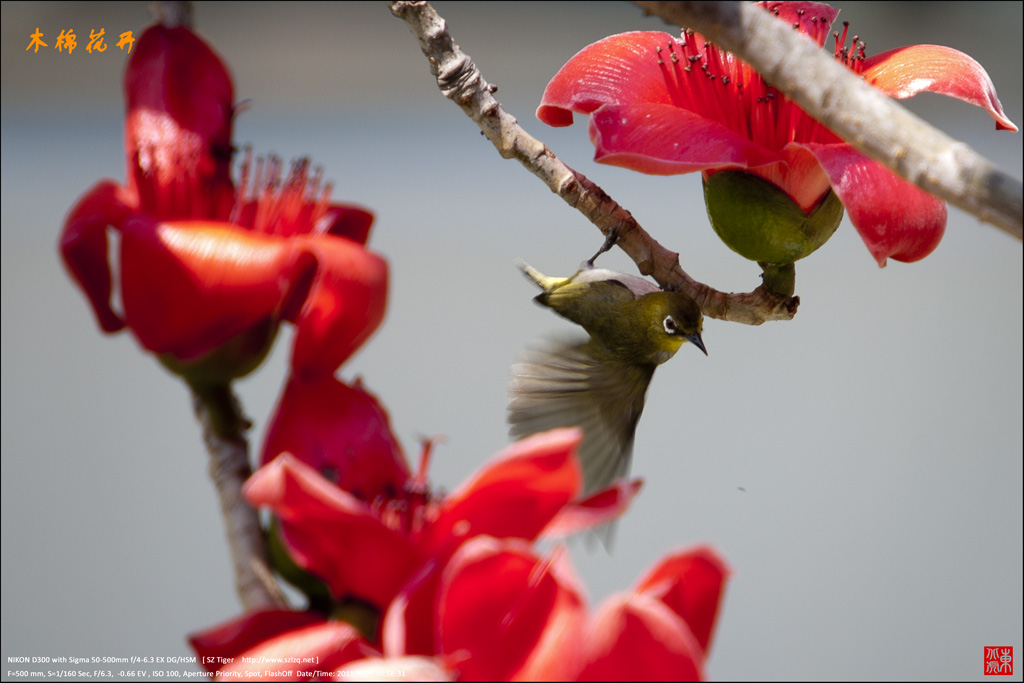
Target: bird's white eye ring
x=670 y=324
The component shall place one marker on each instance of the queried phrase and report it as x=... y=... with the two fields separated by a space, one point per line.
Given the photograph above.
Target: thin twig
x=218 y=412
x=461 y=81
x=860 y=114
x=171 y=13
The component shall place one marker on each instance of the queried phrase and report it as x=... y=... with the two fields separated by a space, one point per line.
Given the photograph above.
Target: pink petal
x=638 y=638
x=906 y=71
x=635 y=67
x=799 y=175
x=618 y=69
x=331 y=534
x=594 y=511
x=345 y=305
x=691 y=584
x=814 y=19
x=895 y=218
x=663 y=139
x=515 y=495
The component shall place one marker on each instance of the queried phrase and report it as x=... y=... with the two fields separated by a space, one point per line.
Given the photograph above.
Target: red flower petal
x=599 y=509
x=389 y=668
x=906 y=71
x=638 y=638
x=814 y=19
x=638 y=68
x=216 y=646
x=408 y=626
x=511 y=615
x=345 y=305
x=331 y=534
x=83 y=245
x=662 y=139
x=319 y=647
x=618 y=69
x=895 y=218
x=346 y=220
x=799 y=175
x=340 y=431
x=691 y=584
x=188 y=287
x=178 y=127
x=515 y=495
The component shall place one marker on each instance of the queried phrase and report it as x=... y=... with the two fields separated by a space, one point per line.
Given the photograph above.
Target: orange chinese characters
x=96 y=41
x=68 y=39
x=37 y=40
x=126 y=39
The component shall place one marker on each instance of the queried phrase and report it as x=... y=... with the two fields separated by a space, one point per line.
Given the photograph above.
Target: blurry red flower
x=388 y=668
x=204 y=265
x=663 y=105
x=499 y=612
x=398 y=545
x=502 y=613
x=294 y=646
x=281 y=644
x=368 y=550
x=340 y=431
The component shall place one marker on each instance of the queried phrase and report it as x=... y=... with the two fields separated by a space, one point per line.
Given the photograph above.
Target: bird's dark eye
x=670 y=324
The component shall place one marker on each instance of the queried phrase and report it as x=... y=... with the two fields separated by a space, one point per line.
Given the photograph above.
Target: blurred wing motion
x=580 y=384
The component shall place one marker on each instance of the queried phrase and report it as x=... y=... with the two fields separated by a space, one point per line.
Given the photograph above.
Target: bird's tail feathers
x=543 y=281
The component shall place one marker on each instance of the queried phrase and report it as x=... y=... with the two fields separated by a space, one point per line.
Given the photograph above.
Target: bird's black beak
x=696 y=341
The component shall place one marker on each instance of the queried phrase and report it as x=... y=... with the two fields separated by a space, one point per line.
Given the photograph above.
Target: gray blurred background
x=859 y=467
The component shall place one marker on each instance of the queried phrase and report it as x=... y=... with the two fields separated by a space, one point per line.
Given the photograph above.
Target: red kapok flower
x=204 y=266
x=291 y=645
x=399 y=545
x=499 y=612
x=502 y=613
x=367 y=551
x=282 y=644
x=340 y=431
x=663 y=105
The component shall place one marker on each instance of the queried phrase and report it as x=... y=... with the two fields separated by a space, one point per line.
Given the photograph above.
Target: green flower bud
x=762 y=223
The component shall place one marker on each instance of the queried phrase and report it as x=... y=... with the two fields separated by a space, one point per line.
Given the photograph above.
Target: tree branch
x=224 y=426
x=460 y=81
x=860 y=114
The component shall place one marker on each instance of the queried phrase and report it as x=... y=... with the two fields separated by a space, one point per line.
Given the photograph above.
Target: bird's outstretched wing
x=576 y=383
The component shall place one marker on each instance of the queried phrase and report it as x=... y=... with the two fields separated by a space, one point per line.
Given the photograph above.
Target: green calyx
x=762 y=223
x=364 y=616
x=314 y=588
x=234 y=358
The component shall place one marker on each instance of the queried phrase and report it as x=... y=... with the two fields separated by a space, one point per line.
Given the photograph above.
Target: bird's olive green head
x=645 y=329
x=672 y=318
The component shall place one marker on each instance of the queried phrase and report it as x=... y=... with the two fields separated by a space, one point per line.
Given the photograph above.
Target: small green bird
x=599 y=384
